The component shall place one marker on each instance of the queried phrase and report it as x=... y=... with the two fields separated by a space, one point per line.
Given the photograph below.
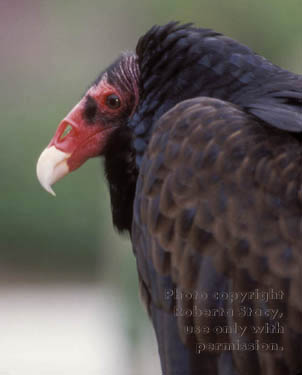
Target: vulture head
x=96 y=126
x=115 y=116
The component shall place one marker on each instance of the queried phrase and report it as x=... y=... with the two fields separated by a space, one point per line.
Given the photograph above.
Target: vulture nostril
x=66 y=131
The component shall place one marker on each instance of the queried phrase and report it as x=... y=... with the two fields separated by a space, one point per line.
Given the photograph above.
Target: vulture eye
x=113 y=101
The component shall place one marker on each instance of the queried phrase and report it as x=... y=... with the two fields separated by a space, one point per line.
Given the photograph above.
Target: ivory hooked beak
x=51 y=167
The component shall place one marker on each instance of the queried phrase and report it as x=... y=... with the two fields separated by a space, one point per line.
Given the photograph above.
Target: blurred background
x=68 y=286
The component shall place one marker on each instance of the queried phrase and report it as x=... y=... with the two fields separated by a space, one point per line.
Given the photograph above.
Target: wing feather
x=218 y=213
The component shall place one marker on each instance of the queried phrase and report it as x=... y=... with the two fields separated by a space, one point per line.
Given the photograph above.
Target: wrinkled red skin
x=84 y=141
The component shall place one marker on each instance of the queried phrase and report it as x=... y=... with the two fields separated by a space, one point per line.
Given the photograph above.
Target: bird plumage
x=179 y=62
x=203 y=161
x=218 y=201
x=218 y=209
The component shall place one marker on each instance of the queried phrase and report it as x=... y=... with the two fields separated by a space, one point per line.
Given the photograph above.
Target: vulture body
x=202 y=140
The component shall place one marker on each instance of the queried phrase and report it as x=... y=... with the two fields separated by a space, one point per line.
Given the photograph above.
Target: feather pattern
x=218 y=210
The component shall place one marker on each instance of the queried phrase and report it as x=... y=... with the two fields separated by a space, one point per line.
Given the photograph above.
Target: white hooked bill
x=51 y=167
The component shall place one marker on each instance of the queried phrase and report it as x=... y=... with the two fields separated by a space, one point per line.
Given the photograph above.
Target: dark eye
x=113 y=101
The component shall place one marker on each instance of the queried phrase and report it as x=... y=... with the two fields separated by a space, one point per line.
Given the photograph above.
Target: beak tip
x=47 y=187
x=50 y=191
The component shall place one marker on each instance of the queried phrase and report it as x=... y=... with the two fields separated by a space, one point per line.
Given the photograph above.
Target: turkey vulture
x=202 y=141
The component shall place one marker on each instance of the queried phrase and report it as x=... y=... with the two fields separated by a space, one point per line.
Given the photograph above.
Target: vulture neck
x=121 y=173
x=120 y=167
